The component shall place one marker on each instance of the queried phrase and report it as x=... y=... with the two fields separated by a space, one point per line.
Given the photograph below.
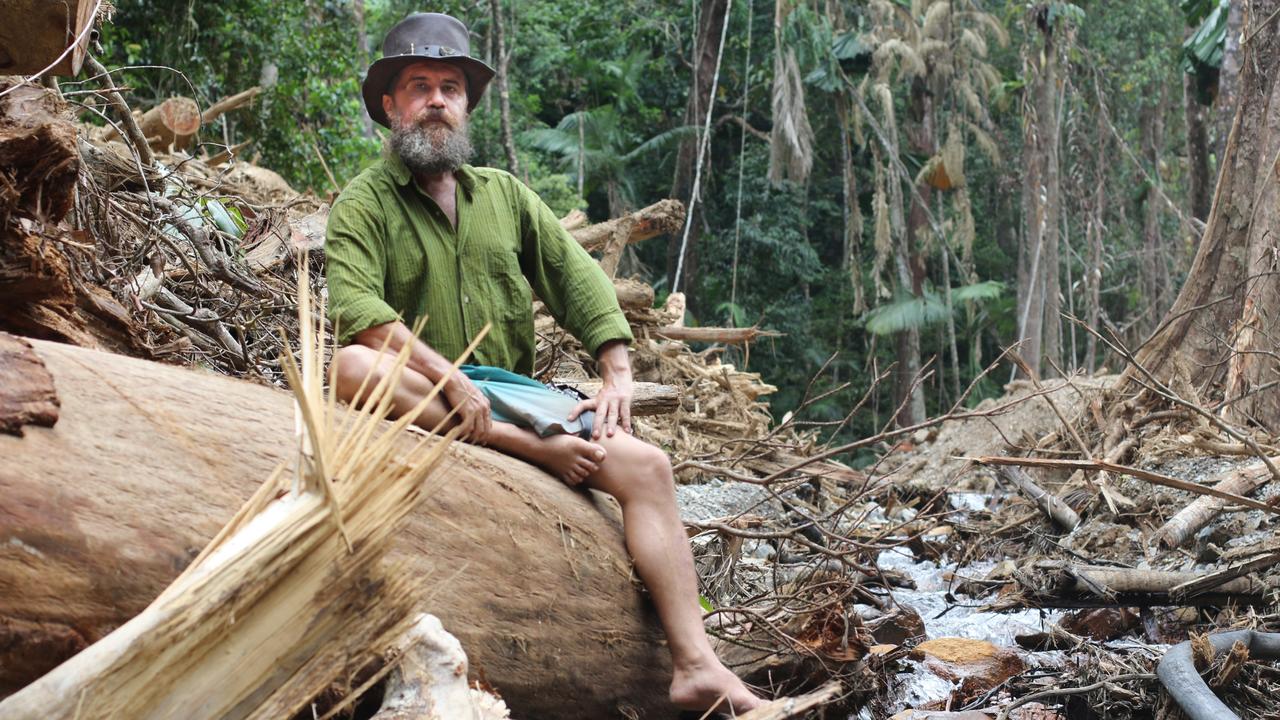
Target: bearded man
x=423 y=234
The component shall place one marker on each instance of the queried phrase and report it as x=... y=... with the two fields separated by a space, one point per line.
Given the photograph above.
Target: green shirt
x=392 y=254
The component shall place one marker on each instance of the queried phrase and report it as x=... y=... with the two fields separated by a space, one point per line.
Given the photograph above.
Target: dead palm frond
x=791 y=140
x=289 y=597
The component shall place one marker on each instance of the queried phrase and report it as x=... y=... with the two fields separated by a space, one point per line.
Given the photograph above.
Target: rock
x=897 y=627
x=1100 y=623
x=975 y=665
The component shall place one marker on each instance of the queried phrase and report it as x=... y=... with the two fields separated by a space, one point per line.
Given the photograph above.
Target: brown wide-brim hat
x=423 y=36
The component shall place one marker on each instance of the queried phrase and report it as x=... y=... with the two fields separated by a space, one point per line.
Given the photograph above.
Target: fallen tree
x=146 y=462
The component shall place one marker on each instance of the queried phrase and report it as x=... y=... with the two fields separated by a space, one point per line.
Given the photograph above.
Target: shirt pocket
x=509 y=292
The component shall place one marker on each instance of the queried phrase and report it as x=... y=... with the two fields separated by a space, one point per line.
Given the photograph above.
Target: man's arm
x=459 y=392
x=612 y=404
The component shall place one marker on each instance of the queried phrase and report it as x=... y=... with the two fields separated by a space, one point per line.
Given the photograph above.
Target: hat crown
x=428 y=34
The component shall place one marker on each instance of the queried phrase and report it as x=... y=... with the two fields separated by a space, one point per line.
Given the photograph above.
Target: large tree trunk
x=1222 y=329
x=148 y=461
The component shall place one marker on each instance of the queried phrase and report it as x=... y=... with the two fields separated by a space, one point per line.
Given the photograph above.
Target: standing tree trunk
x=503 y=60
x=1228 y=80
x=923 y=137
x=707 y=46
x=1156 y=283
x=1198 y=180
x=1039 y=324
x=362 y=47
x=1222 y=330
x=1095 y=231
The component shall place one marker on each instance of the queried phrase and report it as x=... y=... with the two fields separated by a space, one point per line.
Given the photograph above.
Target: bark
x=1039 y=310
x=1198 y=179
x=1156 y=282
x=147 y=462
x=1095 y=230
x=362 y=47
x=648 y=398
x=35 y=33
x=229 y=103
x=40 y=162
x=1222 y=329
x=1050 y=504
x=924 y=142
x=706 y=47
x=664 y=216
x=1228 y=80
x=729 y=336
x=1056 y=583
x=503 y=60
x=1180 y=528
x=633 y=295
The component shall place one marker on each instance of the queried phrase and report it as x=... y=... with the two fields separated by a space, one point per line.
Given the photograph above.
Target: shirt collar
x=467 y=176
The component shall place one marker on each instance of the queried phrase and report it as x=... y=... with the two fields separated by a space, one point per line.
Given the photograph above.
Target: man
x=423 y=234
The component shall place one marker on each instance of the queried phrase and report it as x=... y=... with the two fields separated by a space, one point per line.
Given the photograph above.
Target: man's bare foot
x=711 y=686
x=568 y=457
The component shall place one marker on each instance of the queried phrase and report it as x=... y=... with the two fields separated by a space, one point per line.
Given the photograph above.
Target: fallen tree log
x=147 y=462
x=36 y=34
x=171 y=124
x=661 y=217
x=1057 y=583
x=1188 y=521
x=647 y=400
x=728 y=336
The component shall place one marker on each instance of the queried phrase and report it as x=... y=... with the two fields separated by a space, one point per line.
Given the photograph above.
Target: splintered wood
x=288 y=598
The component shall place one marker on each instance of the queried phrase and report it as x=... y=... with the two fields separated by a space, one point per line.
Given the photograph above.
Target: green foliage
x=928 y=309
x=621 y=73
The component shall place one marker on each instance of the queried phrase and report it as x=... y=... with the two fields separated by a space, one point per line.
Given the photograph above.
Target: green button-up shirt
x=391 y=253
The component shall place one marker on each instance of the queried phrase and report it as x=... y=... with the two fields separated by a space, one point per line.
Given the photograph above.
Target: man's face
x=426 y=107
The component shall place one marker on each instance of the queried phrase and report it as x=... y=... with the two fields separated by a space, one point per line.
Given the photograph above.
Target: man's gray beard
x=431 y=150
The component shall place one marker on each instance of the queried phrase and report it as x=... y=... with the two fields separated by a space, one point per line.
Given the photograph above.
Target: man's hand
x=612 y=404
x=473 y=412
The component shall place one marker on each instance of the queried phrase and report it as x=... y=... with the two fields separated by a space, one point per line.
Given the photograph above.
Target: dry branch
x=1051 y=504
x=227 y=104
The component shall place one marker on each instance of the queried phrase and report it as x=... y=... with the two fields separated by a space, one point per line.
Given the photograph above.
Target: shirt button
x=466 y=299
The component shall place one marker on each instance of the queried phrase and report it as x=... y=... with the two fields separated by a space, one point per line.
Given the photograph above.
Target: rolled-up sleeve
x=570 y=282
x=355 y=267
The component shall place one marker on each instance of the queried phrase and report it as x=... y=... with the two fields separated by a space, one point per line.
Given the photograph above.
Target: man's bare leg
x=639 y=475
x=567 y=457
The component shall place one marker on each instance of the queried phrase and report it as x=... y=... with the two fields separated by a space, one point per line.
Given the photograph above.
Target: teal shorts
x=527 y=403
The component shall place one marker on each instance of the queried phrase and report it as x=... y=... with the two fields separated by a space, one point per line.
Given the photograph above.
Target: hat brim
x=384 y=69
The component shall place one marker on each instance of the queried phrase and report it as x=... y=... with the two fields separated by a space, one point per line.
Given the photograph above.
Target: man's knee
x=648 y=469
x=351 y=365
